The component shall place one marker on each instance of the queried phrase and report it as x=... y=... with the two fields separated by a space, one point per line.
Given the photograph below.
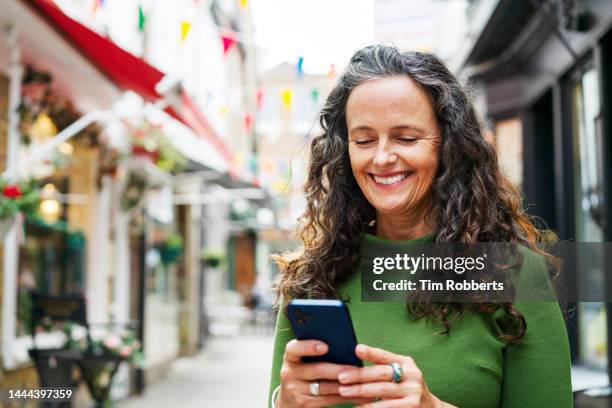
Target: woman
x=402 y=157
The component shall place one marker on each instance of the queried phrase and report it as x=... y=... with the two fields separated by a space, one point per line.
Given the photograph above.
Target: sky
x=323 y=32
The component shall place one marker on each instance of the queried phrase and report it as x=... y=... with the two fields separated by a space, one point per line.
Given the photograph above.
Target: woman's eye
x=408 y=139
x=362 y=142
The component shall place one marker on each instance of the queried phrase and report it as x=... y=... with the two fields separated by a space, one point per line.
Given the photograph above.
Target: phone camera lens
x=297 y=312
x=308 y=317
x=300 y=321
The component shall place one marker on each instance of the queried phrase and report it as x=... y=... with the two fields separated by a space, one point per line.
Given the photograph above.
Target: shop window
x=588 y=185
x=51 y=256
x=509 y=143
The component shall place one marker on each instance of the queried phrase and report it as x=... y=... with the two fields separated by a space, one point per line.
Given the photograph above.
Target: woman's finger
x=380 y=356
x=366 y=374
x=325 y=401
x=398 y=403
x=319 y=371
x=325 y=388
x=383 y=389
x=296 y=349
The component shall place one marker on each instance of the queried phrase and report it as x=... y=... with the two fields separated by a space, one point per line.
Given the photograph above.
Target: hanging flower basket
x=171 y=249
x=15 y=198
x=143 y=152
x=100 y=357
x=150 y=142
x=98 y=372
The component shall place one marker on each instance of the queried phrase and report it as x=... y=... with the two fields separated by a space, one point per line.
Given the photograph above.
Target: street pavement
x=231 y=372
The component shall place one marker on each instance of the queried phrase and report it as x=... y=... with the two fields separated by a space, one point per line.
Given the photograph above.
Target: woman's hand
x=376 y=381
x=296 y=377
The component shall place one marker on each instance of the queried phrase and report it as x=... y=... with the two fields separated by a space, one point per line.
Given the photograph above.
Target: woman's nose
x=384 y=156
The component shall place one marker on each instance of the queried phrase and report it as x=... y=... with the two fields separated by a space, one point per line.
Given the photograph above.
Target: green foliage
x=17 y=197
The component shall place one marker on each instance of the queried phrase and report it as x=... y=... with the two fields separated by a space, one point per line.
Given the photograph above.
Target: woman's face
x=394 y=142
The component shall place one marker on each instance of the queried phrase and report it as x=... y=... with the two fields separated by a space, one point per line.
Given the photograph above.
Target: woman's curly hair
x=471 y=200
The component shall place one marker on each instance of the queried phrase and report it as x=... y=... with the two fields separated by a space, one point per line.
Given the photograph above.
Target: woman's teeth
x=391 y=180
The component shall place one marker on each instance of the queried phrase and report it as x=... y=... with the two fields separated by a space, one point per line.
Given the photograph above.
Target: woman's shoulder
x=533 y=281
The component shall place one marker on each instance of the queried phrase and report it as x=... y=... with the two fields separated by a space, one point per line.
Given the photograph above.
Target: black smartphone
x=328 y=321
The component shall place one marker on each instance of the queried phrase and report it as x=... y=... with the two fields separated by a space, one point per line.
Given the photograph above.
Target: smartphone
x=328 y=321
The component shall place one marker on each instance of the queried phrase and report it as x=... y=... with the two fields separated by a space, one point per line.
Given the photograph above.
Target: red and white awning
x=127 y=72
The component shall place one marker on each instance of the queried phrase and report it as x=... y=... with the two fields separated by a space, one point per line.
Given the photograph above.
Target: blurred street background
x=152 y=154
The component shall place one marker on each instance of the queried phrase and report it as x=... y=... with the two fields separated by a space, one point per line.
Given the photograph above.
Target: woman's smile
x=390 y=181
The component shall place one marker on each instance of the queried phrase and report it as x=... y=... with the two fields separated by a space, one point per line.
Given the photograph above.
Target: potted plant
x=213 y=257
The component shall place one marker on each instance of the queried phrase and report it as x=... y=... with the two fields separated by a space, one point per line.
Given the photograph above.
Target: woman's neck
x=401 y=227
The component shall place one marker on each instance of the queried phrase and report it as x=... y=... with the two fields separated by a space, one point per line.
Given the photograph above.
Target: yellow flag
x=286 y=98
x=238 y=159
x=185 y=27
x=243 y=3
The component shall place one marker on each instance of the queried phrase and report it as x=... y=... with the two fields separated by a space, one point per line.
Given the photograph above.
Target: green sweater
x=470 y=366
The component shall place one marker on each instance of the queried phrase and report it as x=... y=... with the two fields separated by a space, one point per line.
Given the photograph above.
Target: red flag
x=248 y=121
x=228 y=41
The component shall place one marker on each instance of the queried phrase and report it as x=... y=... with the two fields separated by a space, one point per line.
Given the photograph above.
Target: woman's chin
x=392 y=208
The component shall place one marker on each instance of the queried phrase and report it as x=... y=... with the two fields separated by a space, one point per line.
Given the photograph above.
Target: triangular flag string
x=185 y=27
x=228 y=41
x=286 y=98
x=248 y=121
x=141 y=19
x=259 y=95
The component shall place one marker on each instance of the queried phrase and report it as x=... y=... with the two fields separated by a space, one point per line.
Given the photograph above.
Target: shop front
x=547 y=69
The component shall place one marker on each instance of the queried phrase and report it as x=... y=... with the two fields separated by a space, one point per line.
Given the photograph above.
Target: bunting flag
x=286 y=98
x=227 y=40
x=267 y=166
x=253 y=163
x=248 y=121
x=141 y=19
x=259 y=98
x=332 y=71
x=223 y=110
x=97 y=4
x=238 y=159
x=185 y=27
x=314 y=93
x=300 y=69
x=243 y=3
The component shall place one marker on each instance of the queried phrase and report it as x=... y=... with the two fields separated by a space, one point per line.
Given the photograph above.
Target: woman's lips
x=390 y=181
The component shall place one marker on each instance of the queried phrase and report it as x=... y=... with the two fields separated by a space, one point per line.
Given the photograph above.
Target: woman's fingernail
x=345 y=391
x=320 y=348
x=344 y=377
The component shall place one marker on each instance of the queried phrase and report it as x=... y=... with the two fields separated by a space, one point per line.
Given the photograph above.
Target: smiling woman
x=394 y=144
x=402 y=159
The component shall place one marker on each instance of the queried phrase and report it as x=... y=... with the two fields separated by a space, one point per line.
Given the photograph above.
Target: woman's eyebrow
x=408 y=127
x=361 y=127
x=400 y=127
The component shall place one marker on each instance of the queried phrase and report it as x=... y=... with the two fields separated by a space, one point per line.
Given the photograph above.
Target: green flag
x=141 y=19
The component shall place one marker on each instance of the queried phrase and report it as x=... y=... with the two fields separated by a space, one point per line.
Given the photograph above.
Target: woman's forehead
x=389 y=102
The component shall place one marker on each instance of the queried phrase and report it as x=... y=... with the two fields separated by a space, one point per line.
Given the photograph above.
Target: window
x=588 y=187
